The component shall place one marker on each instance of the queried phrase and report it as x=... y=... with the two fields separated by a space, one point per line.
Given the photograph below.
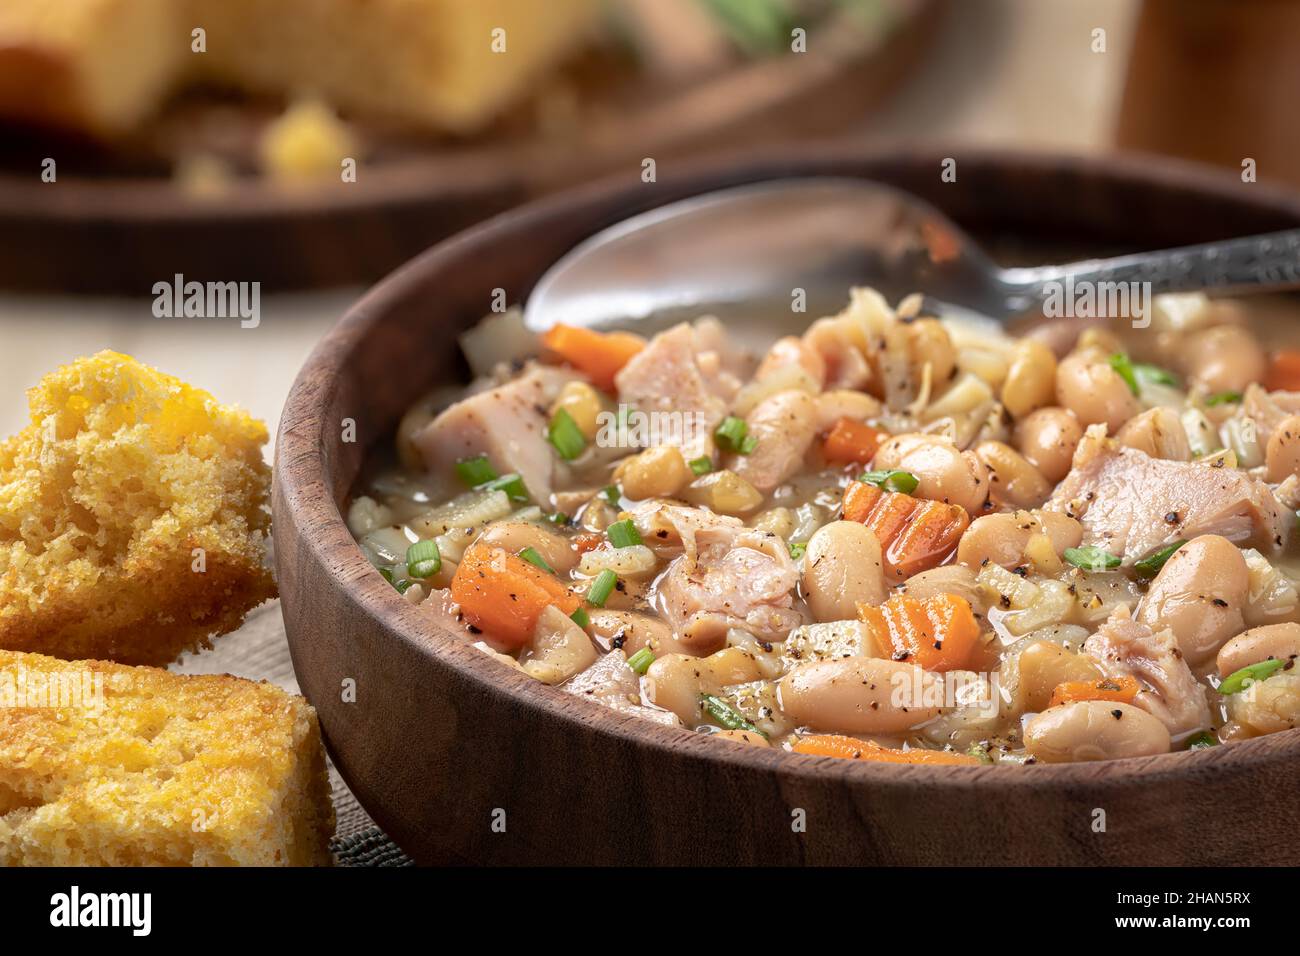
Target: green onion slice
x=612 y=495
x=1223 y=398
x=1091 y=558
x=1154 y=375
x=623 y=534
x=1203 y=741
x=566 y=436
x=1149 y=566
x=901 y=481
x=558 y=518
x=1238 y=681
x=511 y=484
x=475 y=471
x=386 y=574
x=581 y=618
x=797 y=549
x=726 y=715
x=641 y=660
x=702 y=465
x=1121 y=364
x=979 y=753
x=601 y=588
x=533 y=557
x=423 y=559
x=733 y=435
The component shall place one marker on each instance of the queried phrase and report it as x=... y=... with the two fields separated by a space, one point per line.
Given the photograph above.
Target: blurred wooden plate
x=123 y=234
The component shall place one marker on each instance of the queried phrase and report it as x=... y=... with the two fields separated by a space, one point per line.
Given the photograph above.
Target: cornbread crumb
x=156 y=769
x=132 y=516
x=307 y=141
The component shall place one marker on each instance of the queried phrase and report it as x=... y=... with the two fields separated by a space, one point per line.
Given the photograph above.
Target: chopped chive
x=623 y=534
x=641 y=660
x=731 y=435
x=901 y=481
x=403 y=586
x=726 y=715
x=1090 y=558
x=1154 y=375
x=601 y=588
x=511 y=484
x=797 y=549
x=534 y=558
x=1239 y=680
x=1149 y=566
x=747 y=445
x=475 y=471
x=1203 y=741
x=386 y=574
x=566 y=436
x=1223 y=398
x=702 y=465
x=979 y=753
x=612 y=495
x=423 y=559
x=559 y=518
x=1121 y=364
x=581 y=618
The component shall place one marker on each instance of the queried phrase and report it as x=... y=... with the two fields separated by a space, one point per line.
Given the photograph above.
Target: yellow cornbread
x=132 y=516
x=133 y=766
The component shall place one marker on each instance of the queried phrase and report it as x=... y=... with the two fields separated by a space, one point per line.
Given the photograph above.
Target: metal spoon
x=764 y=250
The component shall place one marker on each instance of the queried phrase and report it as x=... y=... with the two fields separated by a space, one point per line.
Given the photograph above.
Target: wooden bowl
x=461 y=759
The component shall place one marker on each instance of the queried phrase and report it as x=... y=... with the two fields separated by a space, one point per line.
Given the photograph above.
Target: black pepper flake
x=1172 y=518
x=1117 y=713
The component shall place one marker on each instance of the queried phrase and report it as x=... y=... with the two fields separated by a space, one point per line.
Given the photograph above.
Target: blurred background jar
x=1216 y=81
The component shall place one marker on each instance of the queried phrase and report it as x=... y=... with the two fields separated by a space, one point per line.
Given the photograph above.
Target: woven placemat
x=260 y=651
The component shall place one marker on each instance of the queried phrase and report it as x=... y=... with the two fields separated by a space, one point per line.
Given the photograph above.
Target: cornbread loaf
x=105 y=65
x=96 y=65
x=107 y=765
x=133 y=516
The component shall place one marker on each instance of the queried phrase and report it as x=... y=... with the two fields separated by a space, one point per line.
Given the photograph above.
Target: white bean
x=843 y=567
x=861 y=695
x=1094 y=730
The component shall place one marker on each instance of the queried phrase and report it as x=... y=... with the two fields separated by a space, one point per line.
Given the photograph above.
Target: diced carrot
x=860 y=498
x=851 y=441
x=915 y=534
x=850 y=748
x=587 y=541
x=599 y=354
x=930 y=533
x=503 y=595
x=937 y=633
x=1120 y=689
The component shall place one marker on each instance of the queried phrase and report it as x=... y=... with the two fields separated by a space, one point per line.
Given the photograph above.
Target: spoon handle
x=1250 y=263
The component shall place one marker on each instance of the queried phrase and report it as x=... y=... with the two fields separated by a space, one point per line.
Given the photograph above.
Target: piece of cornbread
x=98 y=65
x=133 y=516
x=103 y=764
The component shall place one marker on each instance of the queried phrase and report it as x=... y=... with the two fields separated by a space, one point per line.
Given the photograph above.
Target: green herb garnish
x=1238 y=681
x=702 y=465
x=1150 y=566
x=726 y=715
x=403 y=586
x=733 y=435
x=559 y=518
x=798 y=549
x=1121 y=364
x=475 y=471
x=623 y=534
x=1091 y=559
x=601 y=588
x=1223 y=398
x=903 y=482
x=423 y=559
x=565 y=435
x=612 y=495
x=1154 y=375
x=511 y=484
x=534 y=557
x=581 y=618
x=1203 y=741
x=641 y=660
x=979 y=753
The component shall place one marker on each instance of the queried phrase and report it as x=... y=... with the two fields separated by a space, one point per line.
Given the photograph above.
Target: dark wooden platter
x=441 y=740
x=122 y=233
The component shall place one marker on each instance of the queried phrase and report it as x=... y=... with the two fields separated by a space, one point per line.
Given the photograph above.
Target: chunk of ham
x=746 y=582
x=1169 y=691
x=1268 y=409
x=689 y=370
x=671 y=529
x=507 y=424
x=613 y=684
x=1131 y=504
x=783 y=427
